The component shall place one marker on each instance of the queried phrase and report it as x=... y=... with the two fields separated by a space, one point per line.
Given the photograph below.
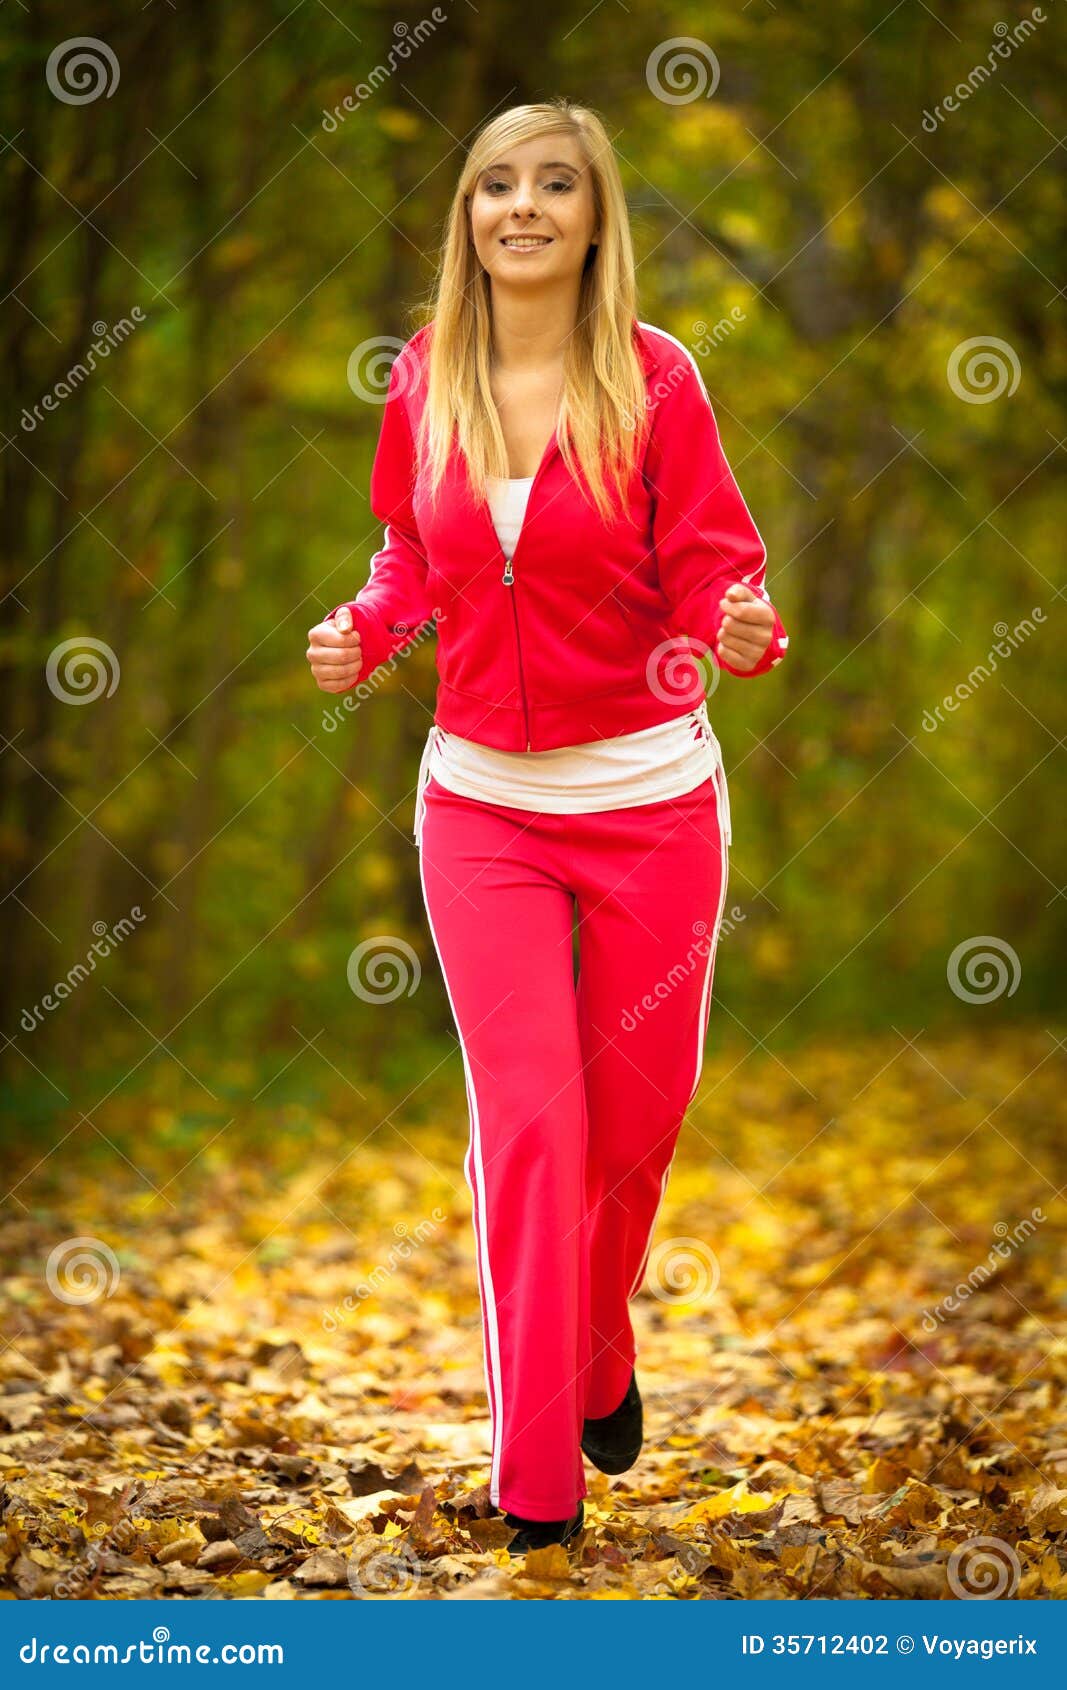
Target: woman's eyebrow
x=546 y=164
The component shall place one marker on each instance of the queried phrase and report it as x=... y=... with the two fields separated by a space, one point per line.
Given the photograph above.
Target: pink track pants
x=576 y=1089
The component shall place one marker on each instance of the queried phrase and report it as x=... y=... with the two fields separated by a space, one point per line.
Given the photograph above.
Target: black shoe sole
x=520 y=1544
x=613 y=1456
x=614 y=1463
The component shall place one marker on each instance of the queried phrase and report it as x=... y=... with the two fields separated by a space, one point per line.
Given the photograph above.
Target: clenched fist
x=334 y=652
x=746 y=629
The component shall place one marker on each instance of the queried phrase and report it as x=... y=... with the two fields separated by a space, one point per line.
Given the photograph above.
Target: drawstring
x=727 y=828
x=424 y=775
x=701 y=714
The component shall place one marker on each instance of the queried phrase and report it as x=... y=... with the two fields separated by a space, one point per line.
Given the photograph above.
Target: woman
x=557 y=502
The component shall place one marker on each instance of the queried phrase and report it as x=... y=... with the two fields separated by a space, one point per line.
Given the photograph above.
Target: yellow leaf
x=737 y=1500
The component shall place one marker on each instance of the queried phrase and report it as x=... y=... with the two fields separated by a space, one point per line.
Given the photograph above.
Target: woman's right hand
x=334 y=652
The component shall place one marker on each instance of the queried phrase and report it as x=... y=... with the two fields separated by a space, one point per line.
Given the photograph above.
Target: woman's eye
x=560 y=183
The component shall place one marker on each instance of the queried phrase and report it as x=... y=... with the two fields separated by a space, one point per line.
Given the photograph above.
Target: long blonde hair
x=603 y=408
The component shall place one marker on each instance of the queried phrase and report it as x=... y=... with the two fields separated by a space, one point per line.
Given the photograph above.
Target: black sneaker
x=613 y=1442
x=538 y=1534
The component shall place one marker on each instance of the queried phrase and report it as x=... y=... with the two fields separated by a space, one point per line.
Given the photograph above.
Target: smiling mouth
x=526 y=243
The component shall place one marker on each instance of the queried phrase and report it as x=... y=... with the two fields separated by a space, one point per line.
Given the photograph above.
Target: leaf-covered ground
x=851 y=1347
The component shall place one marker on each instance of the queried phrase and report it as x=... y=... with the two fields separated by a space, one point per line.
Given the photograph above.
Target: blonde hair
x=603 y=406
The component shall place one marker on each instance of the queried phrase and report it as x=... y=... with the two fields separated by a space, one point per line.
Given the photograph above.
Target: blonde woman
x=557 y=503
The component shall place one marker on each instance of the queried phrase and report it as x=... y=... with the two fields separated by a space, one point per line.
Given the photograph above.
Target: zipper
x=508 y=577
x=509 y=581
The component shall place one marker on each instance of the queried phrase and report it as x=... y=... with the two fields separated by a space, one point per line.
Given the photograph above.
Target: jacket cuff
x=776 y=649
x=373 y=640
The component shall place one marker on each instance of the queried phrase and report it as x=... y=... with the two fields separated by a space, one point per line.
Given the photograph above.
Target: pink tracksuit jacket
x=587 y=632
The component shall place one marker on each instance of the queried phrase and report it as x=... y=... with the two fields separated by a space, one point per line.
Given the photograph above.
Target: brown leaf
x=174 y=1411
x=1046 y=1509
x=325 y=1566
x=422 y=1519
x=368 y=1478
x=184 y=1549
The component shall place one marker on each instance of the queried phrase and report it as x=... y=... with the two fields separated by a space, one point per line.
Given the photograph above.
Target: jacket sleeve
x=394 y=604
x=704 y=536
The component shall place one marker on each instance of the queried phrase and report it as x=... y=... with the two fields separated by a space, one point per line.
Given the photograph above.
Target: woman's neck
x=532 y=332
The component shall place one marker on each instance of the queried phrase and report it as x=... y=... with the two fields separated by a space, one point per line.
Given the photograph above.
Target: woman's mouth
x=526 y=243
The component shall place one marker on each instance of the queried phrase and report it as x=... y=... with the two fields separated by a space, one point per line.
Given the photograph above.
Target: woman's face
x=541 y=189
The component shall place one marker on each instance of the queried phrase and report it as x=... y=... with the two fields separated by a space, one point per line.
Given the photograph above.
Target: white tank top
x=664 y=761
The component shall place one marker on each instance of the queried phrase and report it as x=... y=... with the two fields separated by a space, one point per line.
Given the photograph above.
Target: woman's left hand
x=746 y=627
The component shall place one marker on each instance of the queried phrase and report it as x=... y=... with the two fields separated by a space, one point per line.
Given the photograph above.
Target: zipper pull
x=509 y=578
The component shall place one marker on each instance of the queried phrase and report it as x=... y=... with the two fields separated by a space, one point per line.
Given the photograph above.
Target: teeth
x=527 y=240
